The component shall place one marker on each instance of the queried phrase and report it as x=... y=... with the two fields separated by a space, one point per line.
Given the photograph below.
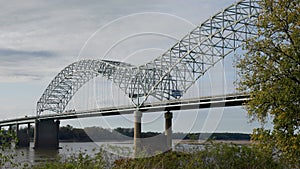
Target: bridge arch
x=169 y=75
x=68 y=81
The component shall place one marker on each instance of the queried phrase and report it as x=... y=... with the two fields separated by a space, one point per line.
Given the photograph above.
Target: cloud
x=11 y=54
x=37 y=37
x=29 y=65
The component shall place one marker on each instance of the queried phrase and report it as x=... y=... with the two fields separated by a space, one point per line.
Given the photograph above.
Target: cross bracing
x=168 y=76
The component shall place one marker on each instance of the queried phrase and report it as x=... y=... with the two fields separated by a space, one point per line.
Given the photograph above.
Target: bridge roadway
x=172 y=105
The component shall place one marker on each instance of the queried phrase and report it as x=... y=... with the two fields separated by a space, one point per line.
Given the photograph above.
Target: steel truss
x=168 y=76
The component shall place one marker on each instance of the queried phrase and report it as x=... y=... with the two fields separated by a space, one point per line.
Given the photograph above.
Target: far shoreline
x=204 y=142
x=175 y=141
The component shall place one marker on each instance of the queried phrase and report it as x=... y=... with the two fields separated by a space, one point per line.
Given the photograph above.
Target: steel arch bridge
x=168 y=76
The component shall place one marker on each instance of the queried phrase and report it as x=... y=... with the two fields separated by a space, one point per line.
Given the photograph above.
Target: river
x=31 y=156
x=114 y=149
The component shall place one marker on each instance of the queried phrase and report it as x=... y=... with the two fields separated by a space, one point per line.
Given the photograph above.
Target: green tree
x=7 y=154
x=270 y=71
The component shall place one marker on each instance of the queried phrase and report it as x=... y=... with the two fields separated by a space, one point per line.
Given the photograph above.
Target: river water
x=114 y=149
x=31 y=156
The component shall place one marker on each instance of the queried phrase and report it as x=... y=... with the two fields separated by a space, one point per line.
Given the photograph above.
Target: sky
x=39 y=38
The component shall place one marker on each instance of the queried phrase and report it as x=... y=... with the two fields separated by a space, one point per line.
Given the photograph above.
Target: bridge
x=165 y=79
x=171 y=105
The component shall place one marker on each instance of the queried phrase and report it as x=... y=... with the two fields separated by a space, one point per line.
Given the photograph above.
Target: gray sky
x=40 y=38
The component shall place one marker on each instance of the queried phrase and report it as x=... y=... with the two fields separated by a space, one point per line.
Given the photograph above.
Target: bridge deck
x=172 y=105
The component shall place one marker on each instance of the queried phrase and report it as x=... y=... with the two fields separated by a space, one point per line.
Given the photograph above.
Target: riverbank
x=205 y=142
x=206 y=156
x=98 y=134
x=175 y=141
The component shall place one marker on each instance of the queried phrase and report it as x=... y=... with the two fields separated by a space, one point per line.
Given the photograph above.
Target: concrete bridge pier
x=137 y=142
x=168 y=129
x=23 y=136
x=10 y=128
x=46 y=134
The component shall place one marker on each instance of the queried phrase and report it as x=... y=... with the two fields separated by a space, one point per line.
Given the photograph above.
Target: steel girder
x=169 y=75
x=63 y=87
x=203 y=47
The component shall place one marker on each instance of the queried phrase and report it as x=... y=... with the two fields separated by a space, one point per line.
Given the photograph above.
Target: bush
x=207 y=157
x=212 y=156
x=75 y=161
x=7 y=155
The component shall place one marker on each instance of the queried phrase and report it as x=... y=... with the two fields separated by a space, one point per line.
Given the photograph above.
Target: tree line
x=69 y=133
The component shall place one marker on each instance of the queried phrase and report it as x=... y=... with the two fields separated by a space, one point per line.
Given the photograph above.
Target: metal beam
x=171 y=105
x=168 y=76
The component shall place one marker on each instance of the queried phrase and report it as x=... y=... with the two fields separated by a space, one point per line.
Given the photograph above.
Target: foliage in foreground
x=75 y=161
x=7 y=155
x=205 y=156
x=270 y=71
x=212 y=156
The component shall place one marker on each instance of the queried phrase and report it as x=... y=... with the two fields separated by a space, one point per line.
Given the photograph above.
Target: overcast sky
x=40 y=38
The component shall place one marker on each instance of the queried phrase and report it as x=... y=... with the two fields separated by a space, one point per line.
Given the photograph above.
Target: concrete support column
x=10 y=128
x=46 y=134
x=23 y=137
x=10 y=131
x=168 y=129
x=57 y=123
x=137 y=132
x=36 y=134
x=28 y=129
x=17 y=129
